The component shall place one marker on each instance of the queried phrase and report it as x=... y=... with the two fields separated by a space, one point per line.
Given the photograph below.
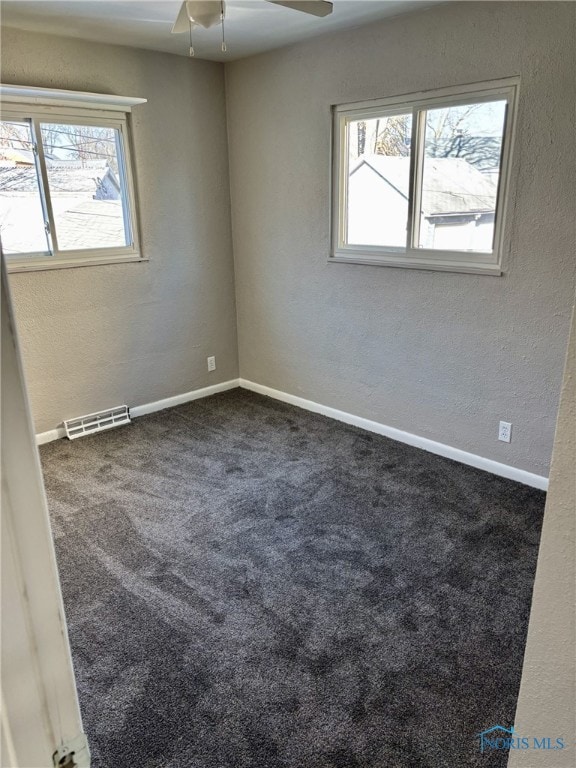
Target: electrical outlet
x=505 y=431
x=211 y=363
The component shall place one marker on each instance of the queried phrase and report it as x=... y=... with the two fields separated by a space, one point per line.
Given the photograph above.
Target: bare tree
x=392 y=136
x=80 y=142
x=448 y=134
x=14 y=136
x=380 y=136
x=63 y=141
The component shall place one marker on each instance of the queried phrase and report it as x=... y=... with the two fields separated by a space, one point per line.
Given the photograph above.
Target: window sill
x=34 y=264
x=440 y=264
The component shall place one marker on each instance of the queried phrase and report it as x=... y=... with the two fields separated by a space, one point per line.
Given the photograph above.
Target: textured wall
x=547 y=700
x=93 y=337
x=442 y=355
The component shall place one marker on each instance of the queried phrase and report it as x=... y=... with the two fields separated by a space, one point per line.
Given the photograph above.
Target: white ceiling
x=252 y=26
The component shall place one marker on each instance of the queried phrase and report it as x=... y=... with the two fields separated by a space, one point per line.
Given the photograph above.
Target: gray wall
x=94 y=337
x=445 y=356
x=547 y=700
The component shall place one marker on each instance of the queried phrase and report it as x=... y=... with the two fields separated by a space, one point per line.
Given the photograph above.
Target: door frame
x=41 y=722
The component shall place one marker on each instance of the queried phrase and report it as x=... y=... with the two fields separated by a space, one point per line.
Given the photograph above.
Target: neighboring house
x=378 y=203
x=85 y=198
x=93 y=178
x=16 y=156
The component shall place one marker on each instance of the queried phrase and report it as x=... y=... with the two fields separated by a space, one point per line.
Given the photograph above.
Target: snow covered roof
x=451 y=185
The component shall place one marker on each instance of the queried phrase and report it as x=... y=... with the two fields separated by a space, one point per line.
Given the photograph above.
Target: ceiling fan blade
x=315 y=7
x=182 y=23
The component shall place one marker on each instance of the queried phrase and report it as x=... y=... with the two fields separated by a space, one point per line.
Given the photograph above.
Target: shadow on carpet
x=249 y=585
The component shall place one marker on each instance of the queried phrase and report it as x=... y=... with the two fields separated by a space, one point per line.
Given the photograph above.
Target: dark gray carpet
x=251 y=585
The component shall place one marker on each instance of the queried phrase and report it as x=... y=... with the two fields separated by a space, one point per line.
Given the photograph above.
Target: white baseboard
x=495 y=467
x=187 y=397
x=158 y=405
x=48 y=437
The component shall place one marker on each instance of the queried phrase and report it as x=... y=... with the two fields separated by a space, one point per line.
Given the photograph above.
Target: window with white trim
x=66 y=188
x=420 y=181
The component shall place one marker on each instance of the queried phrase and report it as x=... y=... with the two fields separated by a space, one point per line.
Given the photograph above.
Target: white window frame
x=411 y=256
x=41 y=105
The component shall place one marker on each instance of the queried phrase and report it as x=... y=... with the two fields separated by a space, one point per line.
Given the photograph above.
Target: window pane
x=462 y=153
x=86 y=190
x=22 y=224
x=378 y=180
